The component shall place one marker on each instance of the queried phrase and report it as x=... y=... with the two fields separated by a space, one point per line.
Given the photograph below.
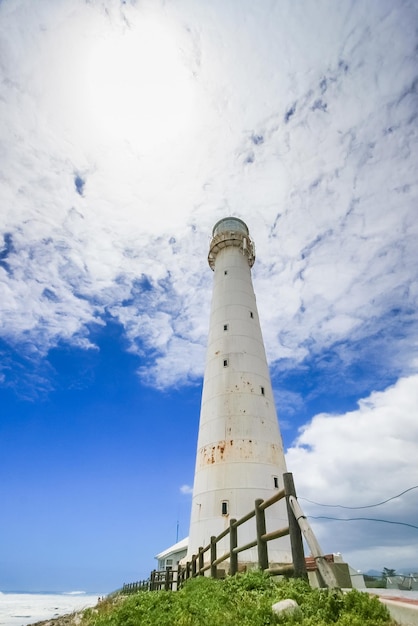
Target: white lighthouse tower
x=239 y=451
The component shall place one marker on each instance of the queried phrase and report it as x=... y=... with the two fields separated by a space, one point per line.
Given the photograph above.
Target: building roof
x=177 y=547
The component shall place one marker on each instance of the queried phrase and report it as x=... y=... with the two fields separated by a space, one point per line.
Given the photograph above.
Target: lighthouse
x=239 y=456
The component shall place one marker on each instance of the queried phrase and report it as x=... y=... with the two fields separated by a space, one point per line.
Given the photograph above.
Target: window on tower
x=225 y=272
x=275 y=482
x=224 y=507
x=251 y=314
x=225 y=362
x=262 y=391
x=225 y=326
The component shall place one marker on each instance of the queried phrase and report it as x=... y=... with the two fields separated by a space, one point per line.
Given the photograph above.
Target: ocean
x=20 y=609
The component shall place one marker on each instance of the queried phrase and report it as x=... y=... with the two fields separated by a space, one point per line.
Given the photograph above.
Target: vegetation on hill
x=242 y=600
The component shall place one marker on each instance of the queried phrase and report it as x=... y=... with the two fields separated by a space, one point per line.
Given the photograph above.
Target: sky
x=127 y=130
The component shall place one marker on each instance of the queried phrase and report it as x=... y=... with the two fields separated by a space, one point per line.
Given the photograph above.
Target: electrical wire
x=368 y=519
x=368 y=506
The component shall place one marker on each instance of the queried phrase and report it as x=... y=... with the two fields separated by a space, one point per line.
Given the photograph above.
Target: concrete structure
x=402 y=605
x=239 y=451
x=346 y=576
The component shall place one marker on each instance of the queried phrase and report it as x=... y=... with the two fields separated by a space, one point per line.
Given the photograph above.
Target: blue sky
x=128 y=129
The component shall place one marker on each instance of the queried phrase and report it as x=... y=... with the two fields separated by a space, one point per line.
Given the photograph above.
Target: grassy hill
x=242 y=600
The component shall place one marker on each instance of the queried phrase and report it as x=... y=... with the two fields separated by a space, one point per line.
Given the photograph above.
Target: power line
x=368 y=506
x=368 y=519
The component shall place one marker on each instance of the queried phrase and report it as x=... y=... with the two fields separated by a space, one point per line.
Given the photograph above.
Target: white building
x=239 y=451
x=171 y=556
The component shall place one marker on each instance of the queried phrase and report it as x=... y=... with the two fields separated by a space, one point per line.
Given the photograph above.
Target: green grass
x=242 y=600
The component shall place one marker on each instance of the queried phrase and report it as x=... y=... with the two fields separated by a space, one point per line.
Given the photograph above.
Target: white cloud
x=299 y=118
x=360 y=458
x=300 y=124
x=186 y=489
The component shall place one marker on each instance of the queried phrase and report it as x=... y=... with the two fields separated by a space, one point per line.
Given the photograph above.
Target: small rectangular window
x=276 y=482
x=262 y=391
x=225 y=326
x=225 y=507
x=225 y=272
x=251 y=314
x=225 y=362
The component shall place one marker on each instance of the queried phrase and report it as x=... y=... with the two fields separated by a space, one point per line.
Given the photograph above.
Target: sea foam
x=21 y=609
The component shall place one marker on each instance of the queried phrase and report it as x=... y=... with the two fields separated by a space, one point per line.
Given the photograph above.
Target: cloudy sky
x=128 y=128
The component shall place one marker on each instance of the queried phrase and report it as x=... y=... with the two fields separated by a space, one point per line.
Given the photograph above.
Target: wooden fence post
x=201 y=561
x=324 y=568
x=180 y=575
x=260 y=519
x=213 y=568
x=233 y=542
x=167 y=578
x=194 y=557
x=295 y=533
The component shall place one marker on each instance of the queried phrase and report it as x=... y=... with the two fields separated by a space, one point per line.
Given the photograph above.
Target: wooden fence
x=197 y=566
x=141 y=585
x=207 y=560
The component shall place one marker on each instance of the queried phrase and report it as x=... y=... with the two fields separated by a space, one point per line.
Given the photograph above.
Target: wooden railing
x=166 y=579
x=199 y=565
x=141 y=585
